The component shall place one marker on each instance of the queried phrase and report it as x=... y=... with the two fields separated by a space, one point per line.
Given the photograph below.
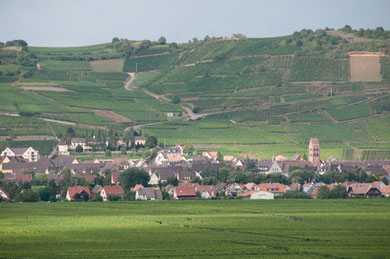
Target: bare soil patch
x=110 y=115
x=13 y=48
x=34 y=137
x=45 y=88
x=364 y=66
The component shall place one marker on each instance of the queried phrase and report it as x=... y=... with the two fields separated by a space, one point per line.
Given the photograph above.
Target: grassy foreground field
x=222 y=228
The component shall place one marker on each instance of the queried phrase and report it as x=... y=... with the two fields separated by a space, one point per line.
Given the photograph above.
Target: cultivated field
x=364 y=67
x=191 y=229
x=111 y=65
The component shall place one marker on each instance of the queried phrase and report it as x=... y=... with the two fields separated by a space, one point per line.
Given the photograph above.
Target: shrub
x=27 y=196
x=114 y=197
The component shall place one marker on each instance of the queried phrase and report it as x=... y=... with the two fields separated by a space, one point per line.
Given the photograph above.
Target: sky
x=62 y=23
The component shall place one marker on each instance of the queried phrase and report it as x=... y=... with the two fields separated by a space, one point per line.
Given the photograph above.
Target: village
x=171 y=173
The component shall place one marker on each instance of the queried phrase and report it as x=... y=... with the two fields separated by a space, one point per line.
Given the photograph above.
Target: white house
x=79 y=141
x=148 y=193
x=30 y=154
x=63 y=149
x=257 y=195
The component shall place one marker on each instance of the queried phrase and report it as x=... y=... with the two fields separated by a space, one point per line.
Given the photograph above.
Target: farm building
x=257 y=195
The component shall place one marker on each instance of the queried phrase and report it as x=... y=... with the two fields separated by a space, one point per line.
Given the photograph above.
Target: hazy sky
x=85 y=22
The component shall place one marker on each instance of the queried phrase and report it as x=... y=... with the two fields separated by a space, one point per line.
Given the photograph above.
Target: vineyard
x=251 y=94
x=197 y=228
x=150 y=63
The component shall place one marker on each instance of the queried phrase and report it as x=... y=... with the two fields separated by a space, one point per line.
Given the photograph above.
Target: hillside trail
x=131 y=80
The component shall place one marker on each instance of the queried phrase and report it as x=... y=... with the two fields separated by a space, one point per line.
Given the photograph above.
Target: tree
x=196 y=110
x=116 y=39
x=175 y=99
x=219 y=157
x=132 y=176
x=27 y=196
x=45 y=194
x=323 y=192
x=123 y=150
x=151 y=142
x=108 y=153
x=189 y=149
x=173 y=181
x=347 y=29
x=197 y=180
x=70 y=133
x=338 y=192
x=129 y=196
x=162 y=41
x=79 y=149
x=223 y=174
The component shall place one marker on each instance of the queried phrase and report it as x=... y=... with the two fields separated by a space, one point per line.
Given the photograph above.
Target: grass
x=223 y=228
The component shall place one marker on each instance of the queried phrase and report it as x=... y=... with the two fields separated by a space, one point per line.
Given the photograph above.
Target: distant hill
x=242 y=96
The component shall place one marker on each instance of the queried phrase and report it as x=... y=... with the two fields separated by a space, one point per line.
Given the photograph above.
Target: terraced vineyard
x=250 y=94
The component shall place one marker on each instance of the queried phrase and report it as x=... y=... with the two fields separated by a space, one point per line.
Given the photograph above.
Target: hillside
x=255 y=97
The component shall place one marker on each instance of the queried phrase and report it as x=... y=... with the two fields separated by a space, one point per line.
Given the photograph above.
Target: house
x=366 y=190
x=207 y=191
x=115 y=178
x=257 y=195
x=74 y=142
x=140 y=140
x=386 y=191
x=233 y=161
x=4 y=194
x=280 y=158
x=233 y=189
x=29 y=153
x=275 y=188
x=250 y=187
x=63 y=148
x=78 y=193
x=148 y=193
x=185 y=191
x=17 y=166
x=220 y=187
x=210 y=155
x=57 y=178
x=111 y=190
x=98 y=188
x=137 y=187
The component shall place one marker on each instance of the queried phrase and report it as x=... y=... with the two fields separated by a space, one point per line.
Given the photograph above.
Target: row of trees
x=377 y=33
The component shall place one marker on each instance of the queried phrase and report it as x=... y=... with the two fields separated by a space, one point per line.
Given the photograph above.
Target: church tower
x=314 y=151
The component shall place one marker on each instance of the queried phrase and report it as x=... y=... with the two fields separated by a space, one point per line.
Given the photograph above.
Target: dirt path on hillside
x=130 y=81
x=110 y=115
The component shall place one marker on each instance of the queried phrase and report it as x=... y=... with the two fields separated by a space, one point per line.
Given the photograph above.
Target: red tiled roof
x=24 y=177
x=272 y=187
x=385 y=190
x=185 y=190
x=209 y=188
x=212 y=154
x=246 y=193
x=78 y=189
x=113 y=190
x=137 y=187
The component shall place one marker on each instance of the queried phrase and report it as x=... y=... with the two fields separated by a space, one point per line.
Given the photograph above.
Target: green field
x=222 y=228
